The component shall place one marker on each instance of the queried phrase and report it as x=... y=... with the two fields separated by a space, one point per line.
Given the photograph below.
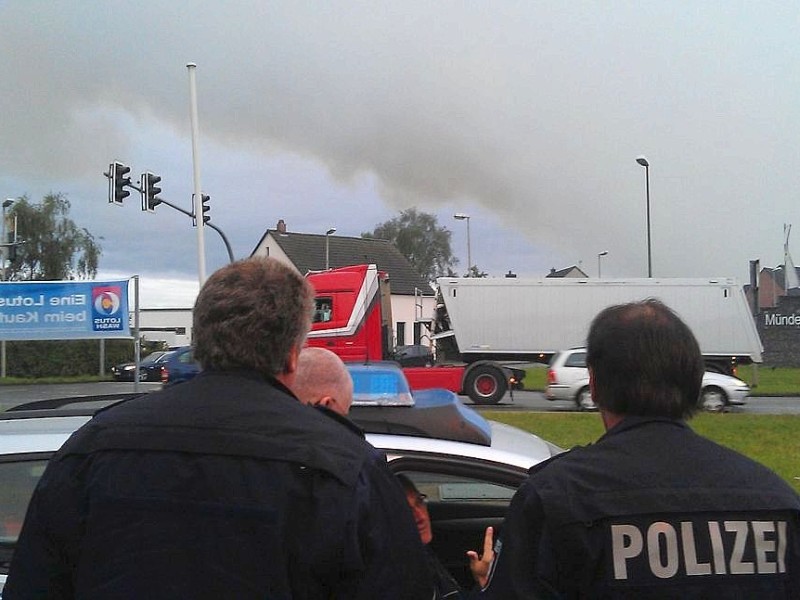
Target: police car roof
x=383 y=403
x=435 y=414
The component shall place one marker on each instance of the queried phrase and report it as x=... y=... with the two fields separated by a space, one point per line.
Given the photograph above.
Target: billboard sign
x=63 y=310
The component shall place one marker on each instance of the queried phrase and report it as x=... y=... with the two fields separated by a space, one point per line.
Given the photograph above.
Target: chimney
x=281 y=226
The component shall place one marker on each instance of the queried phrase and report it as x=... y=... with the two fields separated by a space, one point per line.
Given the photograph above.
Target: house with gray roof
x=413 y=299
x=572 y=271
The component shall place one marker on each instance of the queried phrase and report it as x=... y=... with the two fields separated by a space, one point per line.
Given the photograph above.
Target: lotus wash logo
x=105 y=308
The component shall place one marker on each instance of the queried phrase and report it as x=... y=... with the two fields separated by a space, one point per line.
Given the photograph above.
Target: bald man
x=323 y=380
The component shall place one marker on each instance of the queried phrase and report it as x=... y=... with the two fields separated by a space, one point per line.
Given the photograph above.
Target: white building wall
x=270 y=248
x=406 y=310
x=170 y=325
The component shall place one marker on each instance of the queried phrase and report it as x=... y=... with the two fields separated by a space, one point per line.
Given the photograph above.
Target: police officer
x=323 y=381
x=225 y=486
x=651 y=510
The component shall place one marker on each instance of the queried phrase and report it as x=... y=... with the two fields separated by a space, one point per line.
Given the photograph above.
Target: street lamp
x=599 y=256
x=465 y=217
x=4 y=242
x=3 y=253
x=643 y=161
x=328 y=235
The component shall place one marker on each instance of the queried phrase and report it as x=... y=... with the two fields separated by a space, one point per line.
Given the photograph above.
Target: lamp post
x=328 y=235
x=3 y=253
x=465 y=217
x=599 y=256
x=4 y=242
x=198 y=190
x=643 y=161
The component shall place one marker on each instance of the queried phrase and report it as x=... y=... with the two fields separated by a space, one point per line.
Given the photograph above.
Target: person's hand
x=480 y=565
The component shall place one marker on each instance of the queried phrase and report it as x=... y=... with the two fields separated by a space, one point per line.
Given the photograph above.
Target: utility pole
x=198 y=194
x=646 y=164
x=4 y=242
x=3 y=254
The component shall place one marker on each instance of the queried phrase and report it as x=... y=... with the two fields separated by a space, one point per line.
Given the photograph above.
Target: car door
x=464 y=497
x=19 y=474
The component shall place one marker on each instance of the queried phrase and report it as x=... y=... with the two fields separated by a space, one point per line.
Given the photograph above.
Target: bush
x=68 y=358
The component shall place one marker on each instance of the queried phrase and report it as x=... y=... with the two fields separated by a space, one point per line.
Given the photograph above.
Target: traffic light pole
x=184 y=211
x=201 y=253
x=208 y=224
x=4 y=243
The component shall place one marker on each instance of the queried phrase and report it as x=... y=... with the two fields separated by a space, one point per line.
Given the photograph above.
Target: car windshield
x=19 y=477
x=152 y=358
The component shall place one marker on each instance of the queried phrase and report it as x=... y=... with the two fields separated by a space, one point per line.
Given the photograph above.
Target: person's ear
x=290 y=367
x=325 y=401
x=289 y=373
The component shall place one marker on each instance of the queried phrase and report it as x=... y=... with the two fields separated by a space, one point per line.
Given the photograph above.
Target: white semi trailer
x=515 y=319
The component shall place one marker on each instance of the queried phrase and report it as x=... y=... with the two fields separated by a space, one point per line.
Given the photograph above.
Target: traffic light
x=202 y=209
x=117 y=182
x=206 y=208
x=150 y=191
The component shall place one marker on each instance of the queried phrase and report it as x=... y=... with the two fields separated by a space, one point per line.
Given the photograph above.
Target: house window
x=417 y=332
x=401 y=333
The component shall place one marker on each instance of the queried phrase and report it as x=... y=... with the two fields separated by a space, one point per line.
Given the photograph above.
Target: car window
x=452 y=488
x=152 y=358
x=18 y=478
x=323 y=310
x=186 y=357
x=439 y=487
x=576 y=359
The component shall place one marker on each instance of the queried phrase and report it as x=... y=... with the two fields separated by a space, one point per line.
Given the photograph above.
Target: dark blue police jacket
x=222 y=487
x=652 y=510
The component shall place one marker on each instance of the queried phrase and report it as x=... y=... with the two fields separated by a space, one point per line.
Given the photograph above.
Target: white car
x=468 y=467
x=568 y=379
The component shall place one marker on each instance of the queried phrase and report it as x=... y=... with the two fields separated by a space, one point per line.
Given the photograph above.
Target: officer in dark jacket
x=225 y=486
x=652 y=510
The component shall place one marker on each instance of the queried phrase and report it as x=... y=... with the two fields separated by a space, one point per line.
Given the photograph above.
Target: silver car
x=468 y=467
x=568 y=379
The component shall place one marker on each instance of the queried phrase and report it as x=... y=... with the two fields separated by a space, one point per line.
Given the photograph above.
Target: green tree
x=418 y=237
x=54 y=247
x=474 y=271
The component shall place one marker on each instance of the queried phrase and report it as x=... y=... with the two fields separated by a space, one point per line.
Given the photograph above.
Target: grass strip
x=772 y=440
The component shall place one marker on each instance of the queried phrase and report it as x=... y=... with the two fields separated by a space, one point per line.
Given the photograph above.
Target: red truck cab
x=353 y=319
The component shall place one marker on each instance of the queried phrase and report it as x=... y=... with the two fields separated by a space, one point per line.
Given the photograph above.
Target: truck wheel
x=486 y=385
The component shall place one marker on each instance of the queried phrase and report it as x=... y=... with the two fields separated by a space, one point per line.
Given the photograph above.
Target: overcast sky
x=528 y=116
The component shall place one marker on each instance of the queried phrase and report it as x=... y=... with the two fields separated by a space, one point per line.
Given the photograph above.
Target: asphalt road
x=12 y=395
